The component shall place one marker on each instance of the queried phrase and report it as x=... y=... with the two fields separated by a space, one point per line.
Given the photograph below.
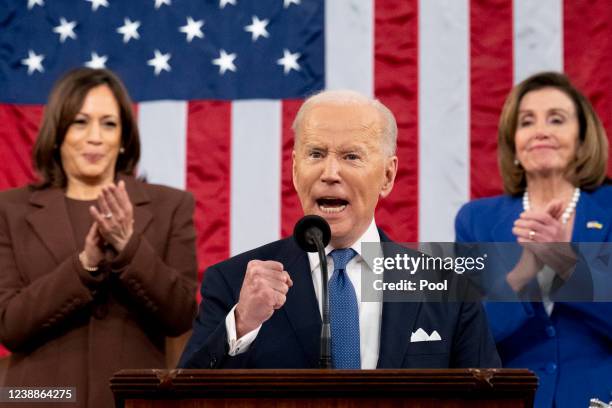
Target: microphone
x=312 y=234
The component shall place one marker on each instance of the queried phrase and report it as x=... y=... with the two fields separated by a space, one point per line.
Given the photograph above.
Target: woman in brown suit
x=96 y=267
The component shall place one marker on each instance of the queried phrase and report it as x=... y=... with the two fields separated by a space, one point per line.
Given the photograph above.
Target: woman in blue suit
x=553 y=152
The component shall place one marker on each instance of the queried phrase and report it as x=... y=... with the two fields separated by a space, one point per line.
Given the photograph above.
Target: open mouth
x=331 y=205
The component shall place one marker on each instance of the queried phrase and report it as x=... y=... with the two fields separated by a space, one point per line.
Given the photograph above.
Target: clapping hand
x=115 y=217
x=543 y=233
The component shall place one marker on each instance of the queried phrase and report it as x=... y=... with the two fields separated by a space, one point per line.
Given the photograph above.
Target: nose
x=542 y=130
x=331 y=170
x=94 y=133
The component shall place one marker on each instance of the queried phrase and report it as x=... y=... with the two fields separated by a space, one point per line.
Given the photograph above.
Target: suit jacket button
x=213 y=362
x=550 y=331
x=551 y=368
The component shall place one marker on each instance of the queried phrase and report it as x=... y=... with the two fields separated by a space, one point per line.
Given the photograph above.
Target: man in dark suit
x=261 y=309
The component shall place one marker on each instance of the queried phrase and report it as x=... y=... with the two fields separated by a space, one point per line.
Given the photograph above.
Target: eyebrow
x=112 y=115
x=551 y=110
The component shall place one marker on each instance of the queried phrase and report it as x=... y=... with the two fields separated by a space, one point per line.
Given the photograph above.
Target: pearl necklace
x=567 y=213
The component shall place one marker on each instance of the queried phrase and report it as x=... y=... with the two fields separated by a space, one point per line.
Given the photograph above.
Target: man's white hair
x=347 y=97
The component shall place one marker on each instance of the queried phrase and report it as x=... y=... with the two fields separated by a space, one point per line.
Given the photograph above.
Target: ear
x=293 y=170
x=390 y=173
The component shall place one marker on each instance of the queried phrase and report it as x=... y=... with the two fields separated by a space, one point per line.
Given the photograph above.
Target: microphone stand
x=325 y=361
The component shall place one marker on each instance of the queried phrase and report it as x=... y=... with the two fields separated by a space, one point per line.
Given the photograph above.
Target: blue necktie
x=344 y=313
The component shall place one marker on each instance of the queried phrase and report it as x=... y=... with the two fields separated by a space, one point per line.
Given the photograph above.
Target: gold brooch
x=594 y=225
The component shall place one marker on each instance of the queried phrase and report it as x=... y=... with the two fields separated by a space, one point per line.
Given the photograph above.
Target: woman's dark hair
x=588 y=169
x=65 y=102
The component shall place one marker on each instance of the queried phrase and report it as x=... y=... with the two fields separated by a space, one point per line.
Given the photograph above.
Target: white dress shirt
x=370 y=313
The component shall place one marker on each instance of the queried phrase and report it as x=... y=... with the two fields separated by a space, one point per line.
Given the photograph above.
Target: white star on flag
x=160 y=62
x=192 y=29
x=257 y=28
x=95 y=4
x=33 y=62
x=32 y=3
x=287 y=3
x=289 y=61
x=65 y=29
x=159 y=3
x=97 y=61
x=223 y=3
x=129 y=30
x=225 y=62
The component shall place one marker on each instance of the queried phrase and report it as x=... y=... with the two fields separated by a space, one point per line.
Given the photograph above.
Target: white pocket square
x=421 y=335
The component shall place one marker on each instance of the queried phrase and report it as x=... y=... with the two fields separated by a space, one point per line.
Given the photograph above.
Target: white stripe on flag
x=256 y=178
x=538 y=37
x=349 y=45
x=444 y=141
x=163 y=137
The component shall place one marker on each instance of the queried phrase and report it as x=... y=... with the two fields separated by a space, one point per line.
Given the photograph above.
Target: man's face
x=340 y=168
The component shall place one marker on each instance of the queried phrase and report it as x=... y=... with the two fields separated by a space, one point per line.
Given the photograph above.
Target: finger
x=277 y=286
x=111 y=200
x=555 y=209
x=526 y=224
x=279 y=300
x=289 y=282
x=123 y=197
x=92 y=234
x=256 y=265
x=103 y=204
x=267 y=274
x=535 y=233
x=99 y=218
x=522 y=233
x=539 y=216
x=530 y=225
x=273 y=265
x=545 y=232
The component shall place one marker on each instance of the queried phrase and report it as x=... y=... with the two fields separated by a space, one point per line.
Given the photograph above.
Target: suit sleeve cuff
x=124 y=258
x=241 y=345
x=90 y=280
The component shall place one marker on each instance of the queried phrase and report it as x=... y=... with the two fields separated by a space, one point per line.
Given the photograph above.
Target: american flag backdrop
x=216 y=85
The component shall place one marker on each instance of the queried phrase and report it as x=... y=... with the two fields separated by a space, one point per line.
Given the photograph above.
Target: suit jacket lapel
x=140 y=201
x=51 y=223
x=502 y=230
x=398 y=323
x=301 y=307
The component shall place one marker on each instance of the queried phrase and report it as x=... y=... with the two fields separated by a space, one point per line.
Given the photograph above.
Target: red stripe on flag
x=208 y=176
x=587 y=38
x=291 y=209
x=396 y=85
x=491 y=78
x=19 y=128
x=18 y=132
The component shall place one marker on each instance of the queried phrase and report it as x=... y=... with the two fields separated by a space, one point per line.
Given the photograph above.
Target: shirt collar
x=370 y=235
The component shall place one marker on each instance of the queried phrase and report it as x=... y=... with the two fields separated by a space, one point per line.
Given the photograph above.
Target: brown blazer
x=66 y=327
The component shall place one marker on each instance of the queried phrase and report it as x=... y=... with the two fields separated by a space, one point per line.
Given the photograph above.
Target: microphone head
x=307 y=228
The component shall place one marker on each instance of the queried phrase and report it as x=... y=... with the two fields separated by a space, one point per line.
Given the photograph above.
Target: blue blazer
x=290 y=338
x=571 y=350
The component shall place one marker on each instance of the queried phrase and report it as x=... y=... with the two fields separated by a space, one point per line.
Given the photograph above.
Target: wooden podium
x=324 y=388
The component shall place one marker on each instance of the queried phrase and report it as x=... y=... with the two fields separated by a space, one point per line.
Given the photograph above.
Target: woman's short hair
x=65 y=102
x=587 y=170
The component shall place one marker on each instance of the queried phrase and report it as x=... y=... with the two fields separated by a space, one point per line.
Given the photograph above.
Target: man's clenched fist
x=264 y=290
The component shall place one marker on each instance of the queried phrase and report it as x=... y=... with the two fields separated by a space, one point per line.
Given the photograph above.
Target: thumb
x=555 y=209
